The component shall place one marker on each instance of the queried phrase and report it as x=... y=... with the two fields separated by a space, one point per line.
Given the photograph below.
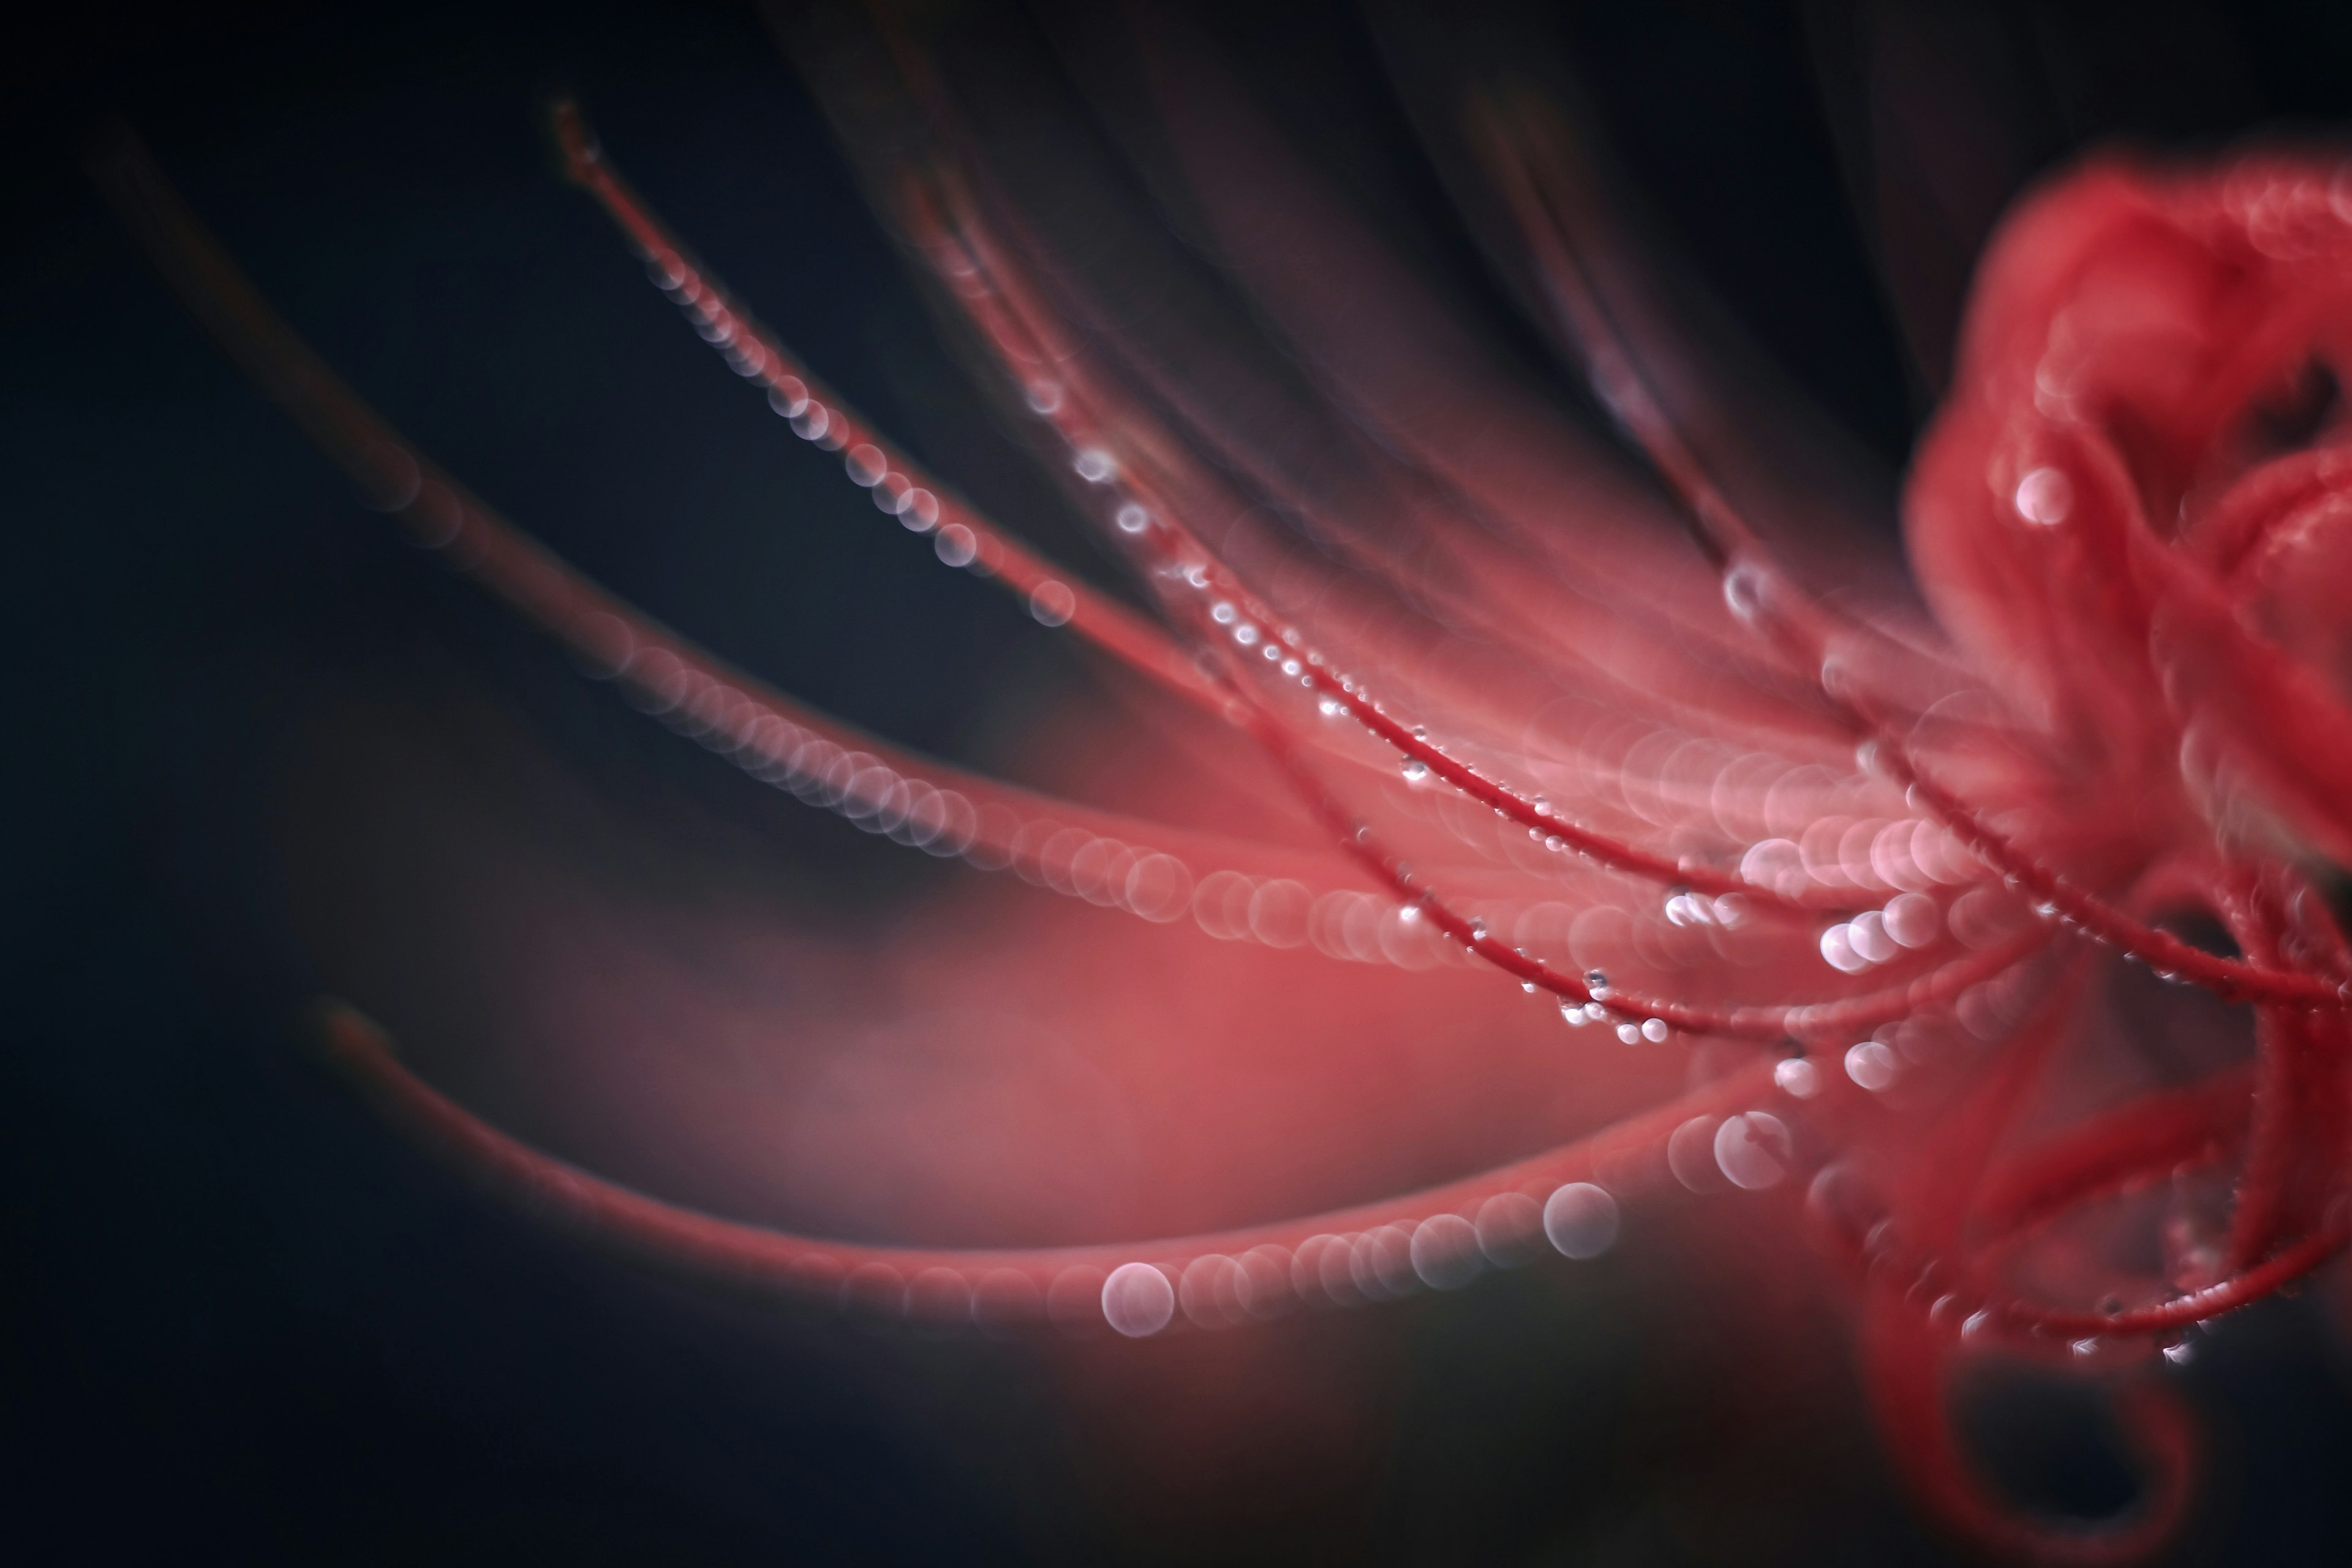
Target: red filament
x=1889 y=863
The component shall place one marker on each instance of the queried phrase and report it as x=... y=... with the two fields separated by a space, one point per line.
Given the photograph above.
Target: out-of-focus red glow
x=1554 y=826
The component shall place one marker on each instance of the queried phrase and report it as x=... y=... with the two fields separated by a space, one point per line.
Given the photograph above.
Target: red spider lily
x=1872 y=873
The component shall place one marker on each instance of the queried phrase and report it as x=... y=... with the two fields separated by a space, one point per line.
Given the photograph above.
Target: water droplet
x=1224 y=613
x=1052 y=604
x=1582 y=1220
x=1445 y=1252
x=1629 y=1033
x=1912 y=920
x=1416 y=772
x=1573 y=1013
x=1137 y=1300
x=1752 y=1150
x=1837 y=952
x=956 y=545
x=1655 y=1030
x=1596 y=982
x=1133 y=518
x=1332 y=708
x=2044 y=496
x=1873 y=1066
x=1799 y=1078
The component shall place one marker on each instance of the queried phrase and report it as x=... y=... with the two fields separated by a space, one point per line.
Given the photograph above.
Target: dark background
x=237 y=1323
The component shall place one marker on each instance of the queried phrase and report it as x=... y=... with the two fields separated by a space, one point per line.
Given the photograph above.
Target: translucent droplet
x=1655 y=1030
x=1133 y=518
x=1573 y=1014
x=1331 y=708
x=1837 y=952
x=1415 y=770
x=1596 y=982
x=1873 y=1066
x=1138 y=1300
x=1798 y=1077
x=1581 y=1220
x=1629 y=1033
x=1752 y=1150
x=1445 y=1252
x=2044 y=496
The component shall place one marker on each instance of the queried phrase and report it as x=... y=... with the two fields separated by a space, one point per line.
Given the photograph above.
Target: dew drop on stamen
x=2044 y=497
x=1052 y=604
x=1798 y=1077
x=1581 y=1220
x=1911 y=919
x=1838 y=953
x=1415 y=770
x=1873 y=1066
x=1752 y=1150
x=957 y=545
x=1138 y=1300
x=1445 y=1252
x=1866 y=934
